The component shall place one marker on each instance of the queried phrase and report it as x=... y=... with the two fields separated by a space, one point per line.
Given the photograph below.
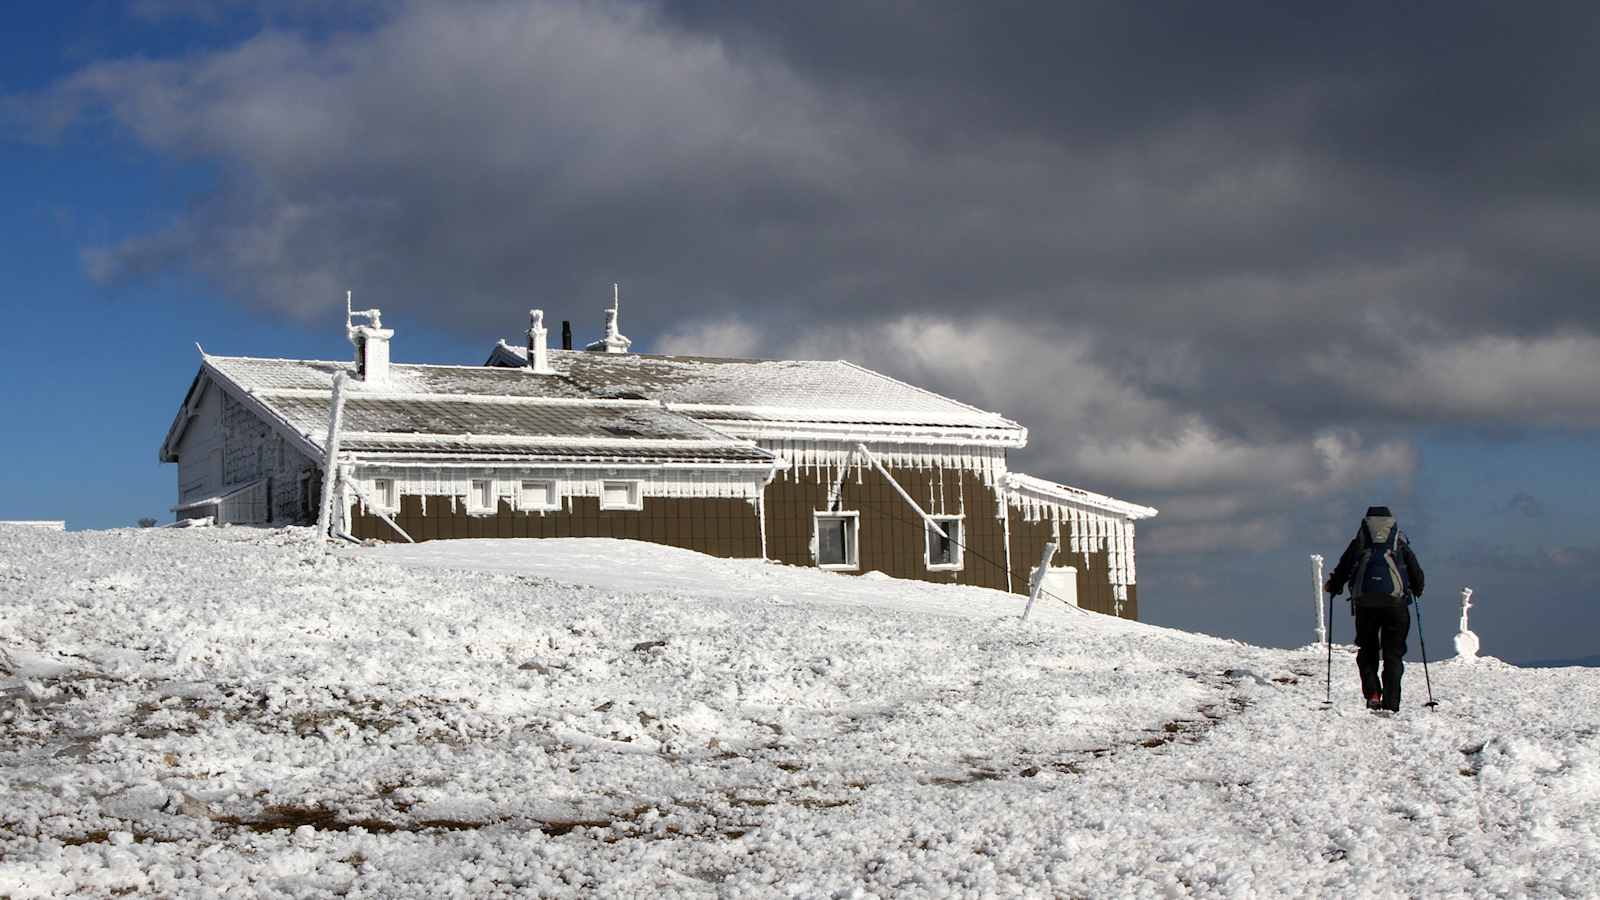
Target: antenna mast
x=373 y=316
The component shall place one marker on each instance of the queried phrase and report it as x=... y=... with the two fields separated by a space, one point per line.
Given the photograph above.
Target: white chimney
x=538 y=347
x=371 y=342
x=613 y=342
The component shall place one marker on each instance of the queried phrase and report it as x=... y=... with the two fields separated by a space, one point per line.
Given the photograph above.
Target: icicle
x=1133 y=575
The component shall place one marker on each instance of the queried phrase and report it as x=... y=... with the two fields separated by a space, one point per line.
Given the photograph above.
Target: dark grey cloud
x=1526 y=504
x=1226 y=259
x=1563 y=560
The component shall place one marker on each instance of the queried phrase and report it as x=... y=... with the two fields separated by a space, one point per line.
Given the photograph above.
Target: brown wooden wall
x=1094 y=578
x=891 y=536
x=716 y=526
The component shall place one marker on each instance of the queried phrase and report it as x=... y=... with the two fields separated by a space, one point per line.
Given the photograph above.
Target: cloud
x=1527 y=505
x=462 y=161
x=1505 y=558
x=1091 y=427
x=1233 y=262
x=732 y=339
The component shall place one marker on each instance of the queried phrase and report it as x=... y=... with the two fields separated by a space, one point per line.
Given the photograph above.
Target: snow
x=201 y=711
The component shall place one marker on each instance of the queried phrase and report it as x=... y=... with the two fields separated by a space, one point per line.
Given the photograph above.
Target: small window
x=836 y=540
x=480 y=496
x=537 y=494
x=384 y=494
x=620 y=495
x=944 y=550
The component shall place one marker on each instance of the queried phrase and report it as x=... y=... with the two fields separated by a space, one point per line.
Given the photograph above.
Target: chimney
x=538 y=348
x=566 y=334
x=613 y=342
x=371 y=342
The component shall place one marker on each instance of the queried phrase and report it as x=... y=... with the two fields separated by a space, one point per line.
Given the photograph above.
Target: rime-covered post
x=538 y=344
x=1038 y=578
x=1316 y=586
x=1466 y=640
x=330 y=471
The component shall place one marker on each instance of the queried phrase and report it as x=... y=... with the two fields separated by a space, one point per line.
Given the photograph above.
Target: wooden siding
x=891 y=538
x=199 y=451
x=725 y=527
x=1094 y=569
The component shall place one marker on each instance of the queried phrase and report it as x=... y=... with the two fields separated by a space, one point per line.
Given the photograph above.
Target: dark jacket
x=1352 y=556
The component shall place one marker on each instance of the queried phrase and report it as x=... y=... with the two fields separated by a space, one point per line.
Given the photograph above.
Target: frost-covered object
x=730 y=457
x=613 y=341
x=1094 y=524
x=538 y=344
x=434 y=430
x=1316 y=584
x=1466 y=639
x=797 y=400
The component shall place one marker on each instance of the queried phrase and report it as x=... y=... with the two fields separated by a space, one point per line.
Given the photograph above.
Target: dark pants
x=1382 y=630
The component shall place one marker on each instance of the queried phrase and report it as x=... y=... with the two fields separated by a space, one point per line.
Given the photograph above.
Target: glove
x=1327 y=587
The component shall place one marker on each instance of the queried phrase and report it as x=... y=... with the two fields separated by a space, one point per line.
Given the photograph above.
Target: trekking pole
x=1328 y=702
x=1423 y=640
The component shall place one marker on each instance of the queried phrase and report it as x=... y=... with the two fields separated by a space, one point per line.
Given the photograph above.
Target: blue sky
x=1182 y=313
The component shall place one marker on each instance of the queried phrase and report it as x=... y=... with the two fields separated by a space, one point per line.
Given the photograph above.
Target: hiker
x=1383 y=575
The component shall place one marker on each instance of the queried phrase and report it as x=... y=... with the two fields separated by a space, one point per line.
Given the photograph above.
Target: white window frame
x=635 y=493
x=958 y=544
x=376 y=494
x=476 y=509
x=550 y=499
x=852 y=547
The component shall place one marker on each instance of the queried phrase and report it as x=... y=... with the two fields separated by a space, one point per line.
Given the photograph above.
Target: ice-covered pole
x=1038 y=578
x=1466 y=640
x=330 y=469
x=1316 y=587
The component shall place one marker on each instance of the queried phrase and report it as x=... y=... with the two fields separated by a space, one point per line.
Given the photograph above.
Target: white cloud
x=727 y=339
x=1095 y=429
x=1548 y=380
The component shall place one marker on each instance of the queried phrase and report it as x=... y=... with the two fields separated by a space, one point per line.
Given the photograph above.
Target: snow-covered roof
x=1035 y=489
x=774 y=397
x=469 y=412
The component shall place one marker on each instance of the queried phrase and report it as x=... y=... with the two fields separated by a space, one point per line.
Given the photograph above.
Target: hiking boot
x=1374 y=701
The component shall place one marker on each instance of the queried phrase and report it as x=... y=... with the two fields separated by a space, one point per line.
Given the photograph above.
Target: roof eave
x=1051 y=492
x=180 y=422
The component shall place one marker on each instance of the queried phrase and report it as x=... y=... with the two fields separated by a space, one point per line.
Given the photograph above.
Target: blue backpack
x=1379 y=570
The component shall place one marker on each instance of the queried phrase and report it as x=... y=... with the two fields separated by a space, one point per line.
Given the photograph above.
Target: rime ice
x=206 y=711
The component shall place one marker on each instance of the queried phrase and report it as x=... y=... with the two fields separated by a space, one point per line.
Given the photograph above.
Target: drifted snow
x=190 y=712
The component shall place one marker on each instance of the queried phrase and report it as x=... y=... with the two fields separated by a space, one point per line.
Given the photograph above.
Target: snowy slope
x=184 y=713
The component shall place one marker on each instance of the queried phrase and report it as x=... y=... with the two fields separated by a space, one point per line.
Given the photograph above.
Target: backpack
x=1379 y=571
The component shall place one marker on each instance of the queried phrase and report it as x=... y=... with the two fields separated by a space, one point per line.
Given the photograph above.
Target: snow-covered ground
x=192 y=712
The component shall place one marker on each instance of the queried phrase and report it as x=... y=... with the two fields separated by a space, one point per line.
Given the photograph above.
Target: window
x=944 y=550
x=385 y=496
x=480 y=496
x=836 y=539
x=537 y=494
x=620 y=495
